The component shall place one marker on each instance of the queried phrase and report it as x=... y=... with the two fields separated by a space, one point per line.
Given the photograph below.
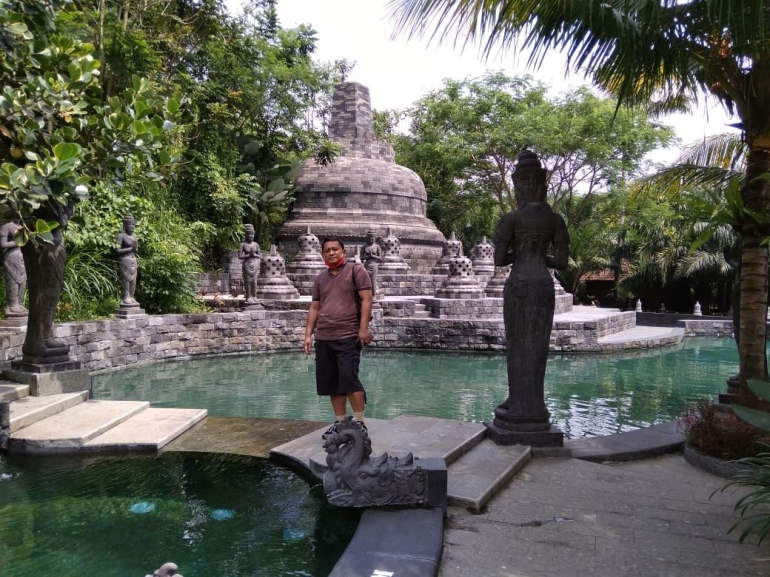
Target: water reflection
x=587 y=394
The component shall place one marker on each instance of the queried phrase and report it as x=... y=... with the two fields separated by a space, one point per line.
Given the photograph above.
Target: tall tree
x=659 y=53
x=465 y=137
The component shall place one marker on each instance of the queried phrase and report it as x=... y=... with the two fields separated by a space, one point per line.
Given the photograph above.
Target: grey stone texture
x=461 y=282
x=571 y=517
x=274 y=284
x=460 y=324
x=361 y=189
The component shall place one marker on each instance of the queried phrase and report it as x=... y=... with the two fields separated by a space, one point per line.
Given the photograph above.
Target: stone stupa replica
x=362 y=189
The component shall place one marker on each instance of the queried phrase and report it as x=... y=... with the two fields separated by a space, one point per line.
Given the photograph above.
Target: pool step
x=69 y=430
x=150 y=430
x=27 y=411
x=476 y=476
x=10 y=391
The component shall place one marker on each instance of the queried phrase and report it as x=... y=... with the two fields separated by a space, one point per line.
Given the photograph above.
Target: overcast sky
x=398 y=72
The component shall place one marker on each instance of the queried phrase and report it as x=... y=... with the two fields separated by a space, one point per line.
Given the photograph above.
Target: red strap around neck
x=336 y=265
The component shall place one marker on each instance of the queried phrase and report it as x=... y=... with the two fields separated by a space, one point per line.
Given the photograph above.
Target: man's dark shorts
x=336 y=366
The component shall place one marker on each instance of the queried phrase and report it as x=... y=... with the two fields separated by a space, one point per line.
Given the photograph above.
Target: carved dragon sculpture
x=356 y=480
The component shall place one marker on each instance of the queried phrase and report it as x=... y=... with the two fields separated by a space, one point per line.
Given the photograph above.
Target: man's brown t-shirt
x=338 y=313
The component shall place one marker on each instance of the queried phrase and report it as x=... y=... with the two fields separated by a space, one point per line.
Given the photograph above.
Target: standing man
x=339 y=314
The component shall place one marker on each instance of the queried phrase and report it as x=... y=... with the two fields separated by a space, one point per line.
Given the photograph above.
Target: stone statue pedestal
x=130 y=312
x=16 y=321
x=252 y=306
x=552 y=437
x=50 y=378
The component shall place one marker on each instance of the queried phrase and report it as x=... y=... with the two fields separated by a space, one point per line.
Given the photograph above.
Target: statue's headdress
x=529 y=179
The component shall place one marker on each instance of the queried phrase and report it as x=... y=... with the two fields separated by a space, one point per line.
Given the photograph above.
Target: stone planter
x=713 y=465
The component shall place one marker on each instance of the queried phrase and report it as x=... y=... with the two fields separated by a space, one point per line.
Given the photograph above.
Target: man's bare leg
x=339 y=405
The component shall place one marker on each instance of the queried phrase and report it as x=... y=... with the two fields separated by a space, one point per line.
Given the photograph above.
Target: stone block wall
x=479 y=309
x=116 y=342
x=707 y=328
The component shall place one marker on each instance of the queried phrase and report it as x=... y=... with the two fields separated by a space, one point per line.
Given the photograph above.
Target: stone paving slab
x=150 y=430
x=640 y=443
x=642 y=334
x=69 y=430
x=11 y=391
x=477 y=475
x=571 y=517
x=27 y=411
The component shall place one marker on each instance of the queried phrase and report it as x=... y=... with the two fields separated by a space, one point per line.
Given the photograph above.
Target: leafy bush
x=721 y=433
x=91 y=287
x=169 y=264
x=757 y=477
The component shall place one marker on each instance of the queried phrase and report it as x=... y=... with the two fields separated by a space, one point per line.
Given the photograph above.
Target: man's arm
x=312 y=318
x=364 y=335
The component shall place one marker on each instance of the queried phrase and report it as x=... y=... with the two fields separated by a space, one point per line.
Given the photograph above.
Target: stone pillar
x=274 y=285
x=461 y=282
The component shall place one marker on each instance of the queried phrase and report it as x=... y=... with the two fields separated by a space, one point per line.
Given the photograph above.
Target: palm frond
x=647 y=51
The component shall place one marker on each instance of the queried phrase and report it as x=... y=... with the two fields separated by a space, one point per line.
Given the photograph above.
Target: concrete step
x=68 y=431
x=10 y=391
x=476 y=476
x=150 y=430
x=643 y=337
x=30 y=410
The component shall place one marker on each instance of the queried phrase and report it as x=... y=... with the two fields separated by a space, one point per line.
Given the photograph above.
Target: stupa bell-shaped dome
x=362 y=189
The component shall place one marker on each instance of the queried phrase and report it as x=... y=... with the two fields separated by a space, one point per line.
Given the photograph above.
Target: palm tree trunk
x=753 y=298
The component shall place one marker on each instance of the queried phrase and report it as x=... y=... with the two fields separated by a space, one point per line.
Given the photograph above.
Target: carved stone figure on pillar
x=44 y=264
x=13 y=267
x=127 y=247
x=532 y=239
x=371 y=255
x=251 y=257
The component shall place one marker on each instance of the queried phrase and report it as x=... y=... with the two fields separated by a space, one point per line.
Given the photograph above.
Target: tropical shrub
x=757 y=476
x=721 y=433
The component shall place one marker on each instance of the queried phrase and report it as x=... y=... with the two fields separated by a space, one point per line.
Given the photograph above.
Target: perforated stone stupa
x=363 y=188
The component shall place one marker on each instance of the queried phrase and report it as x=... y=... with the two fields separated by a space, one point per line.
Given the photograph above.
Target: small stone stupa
x=307 y=263
x=363 y=188
x=273 y=282
x=452 y=248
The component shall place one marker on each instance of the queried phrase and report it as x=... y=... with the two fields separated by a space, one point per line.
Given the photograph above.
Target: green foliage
x=465 y=138
x=54 y=129
x=169 y=259
x=91 y=288
x=757 y=476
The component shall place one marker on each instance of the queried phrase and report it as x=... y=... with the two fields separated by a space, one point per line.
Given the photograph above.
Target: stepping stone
x=30 y=410
x=69 y=430
x=150 y=430
x=476 y=476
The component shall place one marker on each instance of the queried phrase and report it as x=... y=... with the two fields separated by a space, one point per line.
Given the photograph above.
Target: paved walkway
x=575 y=517
x=571 y=517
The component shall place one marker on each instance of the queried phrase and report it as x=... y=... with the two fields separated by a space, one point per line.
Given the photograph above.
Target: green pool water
x=587 y=394
x=125 y=517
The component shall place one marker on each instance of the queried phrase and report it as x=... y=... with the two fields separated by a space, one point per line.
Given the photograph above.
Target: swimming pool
x=209 y=514
x=587 y=394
